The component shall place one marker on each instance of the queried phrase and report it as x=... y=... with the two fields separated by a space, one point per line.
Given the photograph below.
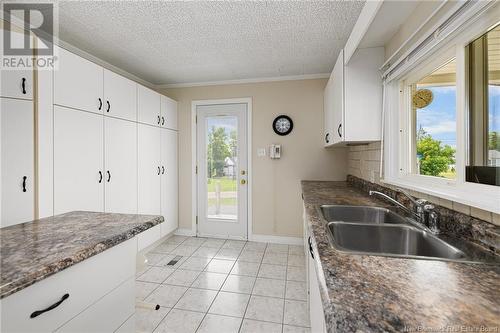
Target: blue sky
x=439 y=118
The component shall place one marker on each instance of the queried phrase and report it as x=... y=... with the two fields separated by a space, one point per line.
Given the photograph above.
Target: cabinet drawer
x=148 y=237
x=85 y=283
x=108 y=313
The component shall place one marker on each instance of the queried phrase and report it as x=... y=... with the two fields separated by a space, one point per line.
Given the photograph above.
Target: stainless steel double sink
x=380 y=231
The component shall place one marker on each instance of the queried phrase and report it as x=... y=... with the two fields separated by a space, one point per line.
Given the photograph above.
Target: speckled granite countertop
x=35 y=250
x=362 y=293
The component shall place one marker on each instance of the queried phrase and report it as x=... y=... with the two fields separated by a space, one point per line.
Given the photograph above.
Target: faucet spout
x=388 y=198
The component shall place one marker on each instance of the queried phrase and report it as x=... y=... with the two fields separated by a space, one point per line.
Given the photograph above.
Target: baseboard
x=277 y=239
x=184 y=232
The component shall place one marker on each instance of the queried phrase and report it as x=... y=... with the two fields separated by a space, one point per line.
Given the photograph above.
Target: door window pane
x=433 y=102
x=222 y=167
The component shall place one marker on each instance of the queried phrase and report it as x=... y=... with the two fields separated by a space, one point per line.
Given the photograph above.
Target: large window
x=483 y=155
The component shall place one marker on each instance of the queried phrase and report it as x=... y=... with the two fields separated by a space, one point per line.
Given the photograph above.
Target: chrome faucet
x=423 y=212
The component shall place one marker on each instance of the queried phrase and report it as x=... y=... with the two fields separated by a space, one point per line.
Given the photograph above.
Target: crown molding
x=243 y=81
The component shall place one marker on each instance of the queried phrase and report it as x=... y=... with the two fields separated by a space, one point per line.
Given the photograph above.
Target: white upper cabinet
x=149 y=169
x=17 y=84
x=78 y=83
x=353 y=98
x=17 y=161
x=148 y=106
x=120 y=166
x=169 y=181
x=168 y=113
x=120 y=96
x=78 y=161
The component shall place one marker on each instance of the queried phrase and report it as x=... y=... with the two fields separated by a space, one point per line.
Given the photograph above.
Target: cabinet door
x=317 y=316
x=17 y=161
x=78 y=161
x=78 y=83
x=328 y=113
x=169 y=182
x=120 y=166
x=338 y=99
x=17 y=84
x=120 y=96
x=148 y=106
x=168 y=113
x=149 y=170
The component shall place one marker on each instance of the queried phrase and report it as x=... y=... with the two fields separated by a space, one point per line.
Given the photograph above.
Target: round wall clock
x=282 y=125
x=422 y=98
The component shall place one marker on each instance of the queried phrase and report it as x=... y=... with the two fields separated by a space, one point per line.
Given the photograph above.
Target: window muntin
x=483 y=155
x=433 y=125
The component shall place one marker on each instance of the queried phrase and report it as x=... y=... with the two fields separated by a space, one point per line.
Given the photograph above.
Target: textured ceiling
x=182 y=42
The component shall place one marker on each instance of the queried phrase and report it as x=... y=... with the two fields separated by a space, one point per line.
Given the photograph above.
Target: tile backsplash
x=364 y=163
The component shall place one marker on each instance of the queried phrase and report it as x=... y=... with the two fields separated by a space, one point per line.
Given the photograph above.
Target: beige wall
x=277 y=205
x=364 y=161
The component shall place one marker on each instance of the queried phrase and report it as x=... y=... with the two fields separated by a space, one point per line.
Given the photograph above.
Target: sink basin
x=365 y=214
x=390 y=240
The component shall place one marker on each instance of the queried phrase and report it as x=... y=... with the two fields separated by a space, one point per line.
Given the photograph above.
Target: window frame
x=398 y=137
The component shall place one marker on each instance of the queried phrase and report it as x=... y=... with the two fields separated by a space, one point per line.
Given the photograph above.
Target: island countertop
x=364 y=293
x=34 y=250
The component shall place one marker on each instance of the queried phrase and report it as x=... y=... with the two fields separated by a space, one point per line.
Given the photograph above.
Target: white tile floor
x=223 y=286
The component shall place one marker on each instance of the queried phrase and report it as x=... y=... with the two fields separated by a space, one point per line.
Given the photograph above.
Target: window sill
x=475 y=195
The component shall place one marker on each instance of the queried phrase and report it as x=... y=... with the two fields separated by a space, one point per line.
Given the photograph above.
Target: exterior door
x=222 y=170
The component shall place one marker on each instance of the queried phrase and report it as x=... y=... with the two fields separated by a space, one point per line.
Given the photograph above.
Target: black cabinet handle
x=162 y=121
x=338 y=130
x=24 y=183
x=52 y=307
x=162 y=169
x=158 y=120
x=109 y=106
x=310 y=247
x=100 y=103
x=158 y=171
x=23 y=85
x=100 y=177
x=327 y=138
x=109 y=175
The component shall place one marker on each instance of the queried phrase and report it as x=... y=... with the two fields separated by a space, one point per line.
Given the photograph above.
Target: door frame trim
x=194 y=183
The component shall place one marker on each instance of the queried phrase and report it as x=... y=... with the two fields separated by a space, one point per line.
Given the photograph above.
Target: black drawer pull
x=109 y=106
x=23 y=85
x=327 y=137
x=162 y=169
x=100 y=103
x=109 y=175
x=162 y=121
x=338 y=130
x=310 y=247
x=100 y=177
x=24 y=183
x=158 y=171
x=158 y=120
x=52 y=307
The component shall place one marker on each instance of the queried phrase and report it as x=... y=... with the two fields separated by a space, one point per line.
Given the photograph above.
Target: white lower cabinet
x=91 y=286
x=120 y=166
x=169 y=181
x=148 y=237
x=78 y=161
x=17 y=161
x=149 y=169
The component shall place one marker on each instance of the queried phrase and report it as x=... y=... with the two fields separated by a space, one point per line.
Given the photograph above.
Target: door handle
x=109 y=176
x=327 y=138
x=52 y=307
x=23 y=85
x=243 y=182
x=158 y=120
x=338 y=130
x=24 y=183
x=310 y=247
x=100 y=104
x=162 y=121
x=100 y=177
x=162 y=169
x=109 y=106
x=158 y=171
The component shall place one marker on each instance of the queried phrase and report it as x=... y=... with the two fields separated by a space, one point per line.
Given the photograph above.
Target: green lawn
x=227 y=184
x=448 y=174
x=223 y=201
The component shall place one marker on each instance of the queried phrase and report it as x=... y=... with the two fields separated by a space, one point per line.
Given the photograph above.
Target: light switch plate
x=261 y=152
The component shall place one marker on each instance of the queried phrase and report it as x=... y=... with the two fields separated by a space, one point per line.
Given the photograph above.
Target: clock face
x=282 y=125
x=422 y=98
